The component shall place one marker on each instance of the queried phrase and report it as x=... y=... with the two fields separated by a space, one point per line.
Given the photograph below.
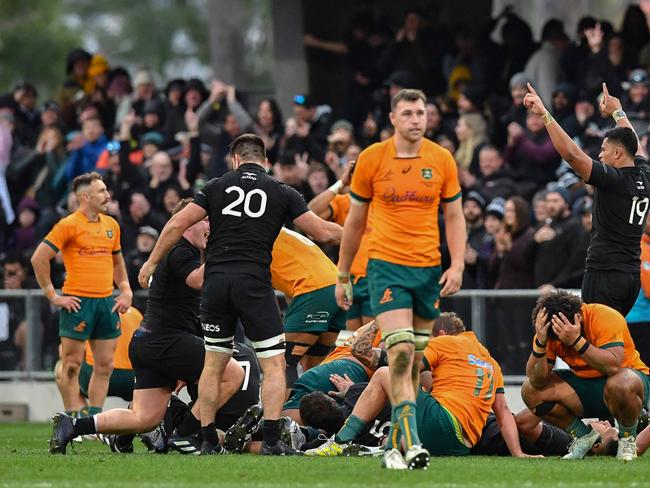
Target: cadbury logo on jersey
x=94 y=251
x=392 y=196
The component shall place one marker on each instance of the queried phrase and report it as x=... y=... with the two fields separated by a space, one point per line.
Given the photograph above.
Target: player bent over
x=163 y=350
x=606 y=375
x=466 y=382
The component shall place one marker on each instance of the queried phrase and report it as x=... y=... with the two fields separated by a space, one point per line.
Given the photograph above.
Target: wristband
x=576 y=341
x=539 y=344
x=584 y=348
x=547 y=118
x=618 y=115
x=343 y=277
x=539 y=355
x=336 y=187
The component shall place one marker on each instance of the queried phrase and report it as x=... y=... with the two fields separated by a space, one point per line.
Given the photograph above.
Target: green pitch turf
x=24 y=461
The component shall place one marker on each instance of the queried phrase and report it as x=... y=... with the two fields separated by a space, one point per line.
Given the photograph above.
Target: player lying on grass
x=465 y=383
x=607 y=377
x=165 y=349
x=356 y=359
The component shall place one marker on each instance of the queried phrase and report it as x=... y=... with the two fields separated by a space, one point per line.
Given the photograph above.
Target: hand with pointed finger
x=609 y=103
x=533 y=102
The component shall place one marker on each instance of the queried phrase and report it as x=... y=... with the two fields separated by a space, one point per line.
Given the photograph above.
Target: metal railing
x=33 y=300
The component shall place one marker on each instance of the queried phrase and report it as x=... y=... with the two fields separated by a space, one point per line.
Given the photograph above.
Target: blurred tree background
x=169 y=36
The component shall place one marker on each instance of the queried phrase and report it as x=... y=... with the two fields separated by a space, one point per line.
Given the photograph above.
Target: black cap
x=476 y=197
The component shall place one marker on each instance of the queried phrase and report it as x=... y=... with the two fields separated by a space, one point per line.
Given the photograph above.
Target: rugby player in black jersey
x=621 y=200
x=246 y=208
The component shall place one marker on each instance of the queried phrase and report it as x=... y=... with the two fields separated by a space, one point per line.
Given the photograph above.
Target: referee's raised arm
x=564 y=145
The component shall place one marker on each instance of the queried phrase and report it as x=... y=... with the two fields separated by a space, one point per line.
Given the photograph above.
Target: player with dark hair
x=89 y=241
x=246 y=209
x=607 y=377
x=621 y=201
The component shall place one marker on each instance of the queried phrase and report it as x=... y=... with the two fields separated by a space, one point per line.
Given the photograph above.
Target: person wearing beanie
x=555 y=239
x=473 y=210
x=494 y=180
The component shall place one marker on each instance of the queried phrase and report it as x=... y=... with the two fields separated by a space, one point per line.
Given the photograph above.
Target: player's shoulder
x=376 y=151
x=599 y=313
x=109 y=220
x=434 y=149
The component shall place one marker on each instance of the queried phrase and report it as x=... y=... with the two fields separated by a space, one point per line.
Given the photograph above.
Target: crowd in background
x=528 y=214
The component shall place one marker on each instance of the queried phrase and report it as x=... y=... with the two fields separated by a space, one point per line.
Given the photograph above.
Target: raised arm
x=538 y=369
x=610 y=106
x=320 y=204
x=564 y=145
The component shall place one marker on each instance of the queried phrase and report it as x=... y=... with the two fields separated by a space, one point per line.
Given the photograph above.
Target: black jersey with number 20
x=247 y=209
x=621 y=200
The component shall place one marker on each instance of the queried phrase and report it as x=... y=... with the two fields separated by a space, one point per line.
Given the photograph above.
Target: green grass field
x=24 y=461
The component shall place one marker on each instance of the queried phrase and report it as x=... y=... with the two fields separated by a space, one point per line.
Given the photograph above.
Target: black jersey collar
x=251 y=166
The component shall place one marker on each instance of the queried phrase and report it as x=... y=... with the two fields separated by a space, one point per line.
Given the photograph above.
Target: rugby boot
x=393 y=459
x=190 y=444
x=626 y=449
x=580 y=446
x=117 y=443
x=329 y=449
x=280 y=449
x=62 y=433
x=242 y=430
x=156 y=440
x=417 y=457
x=290 y=433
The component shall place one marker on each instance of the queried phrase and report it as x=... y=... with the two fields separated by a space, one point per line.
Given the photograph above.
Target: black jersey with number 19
x=621 y=200
x=247 y=209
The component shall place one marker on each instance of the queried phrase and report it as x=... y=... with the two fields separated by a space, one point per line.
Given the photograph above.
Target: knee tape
x=399 y=336
x=544 y=408
x=319 y=350
x=292 y=358
x=422 y=337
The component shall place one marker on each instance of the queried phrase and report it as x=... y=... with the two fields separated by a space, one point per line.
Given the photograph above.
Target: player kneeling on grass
x=120 y=383
x=607 y=377
x=163 y=350
x=465 y=383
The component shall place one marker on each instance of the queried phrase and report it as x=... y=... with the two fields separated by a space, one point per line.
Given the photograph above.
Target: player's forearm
x=321 y=202
x=537 y=370
x=169 y=236
x=510 y=433
x=602 y=360
x=42 y=270
x=120 y=276
x=568 y=149
x=350 y=241
x=456 y=236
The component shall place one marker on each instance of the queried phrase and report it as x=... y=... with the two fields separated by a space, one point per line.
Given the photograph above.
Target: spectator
x=635 y=33
x=636 y=101
x=563 y=107
x=494 y=179
x=268 y=125
x=28 y=118
x=140 y=214
x=574 y=268
x=145 y=90
x=473 y=208
x=162 y=176
x=340 y=139
x=171 y=197
x=24 y=236
x=471 y=134
x=41 y=171
x=146 y=240
x=312 y=127
x=317 y=178
x=544 y=65
x=518 y=89
x=84 y=159
x=292 y=169
x=50 y=116
x=12 y=313
x=435 y=126
x=532 y=156
x=512 y=259
x=76 y=75
x=555 y=239
x=485 y=277
x=6 y=143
